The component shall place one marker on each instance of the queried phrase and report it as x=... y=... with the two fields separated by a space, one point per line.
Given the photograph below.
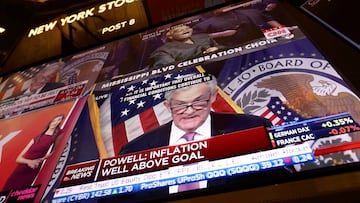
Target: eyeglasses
x=196 y=105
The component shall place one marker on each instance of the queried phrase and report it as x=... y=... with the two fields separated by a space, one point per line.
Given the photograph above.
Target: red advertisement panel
x=31 y=146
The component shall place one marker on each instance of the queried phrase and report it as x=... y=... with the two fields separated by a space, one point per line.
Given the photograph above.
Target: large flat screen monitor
x=237 y=97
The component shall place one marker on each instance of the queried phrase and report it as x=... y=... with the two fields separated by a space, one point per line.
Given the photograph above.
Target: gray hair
x=212 y=85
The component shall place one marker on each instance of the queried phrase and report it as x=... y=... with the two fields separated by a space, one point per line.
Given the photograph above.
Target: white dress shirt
x=202 y=132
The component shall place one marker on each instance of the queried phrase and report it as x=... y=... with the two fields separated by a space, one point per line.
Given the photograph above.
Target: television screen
x=234 y=98
x=33 y=149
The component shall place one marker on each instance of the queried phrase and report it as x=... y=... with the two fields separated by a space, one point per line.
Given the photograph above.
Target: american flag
x=131 y=118
x=278 y=113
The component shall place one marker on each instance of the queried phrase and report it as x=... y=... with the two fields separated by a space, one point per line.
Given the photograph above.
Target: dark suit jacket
x=221 y=123
x=51 y=86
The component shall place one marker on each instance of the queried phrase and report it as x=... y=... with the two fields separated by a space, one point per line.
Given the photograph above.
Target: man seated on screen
x=190 y=108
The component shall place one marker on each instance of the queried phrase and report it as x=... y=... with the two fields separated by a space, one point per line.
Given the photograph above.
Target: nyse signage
x=113 y=17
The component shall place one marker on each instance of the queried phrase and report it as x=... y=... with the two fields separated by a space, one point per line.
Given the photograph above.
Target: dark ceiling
x=17 y=16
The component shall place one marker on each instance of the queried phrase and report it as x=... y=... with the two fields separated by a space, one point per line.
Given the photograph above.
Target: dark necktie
x=189 y=136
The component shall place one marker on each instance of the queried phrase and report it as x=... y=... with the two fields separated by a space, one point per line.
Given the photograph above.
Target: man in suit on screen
x=190 y=108
x=41 y=82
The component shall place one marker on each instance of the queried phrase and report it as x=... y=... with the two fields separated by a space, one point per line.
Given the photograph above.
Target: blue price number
x=121 y=190
x=96 y=194
x=125 y=189
x=278 y=162
x=272 y=164
x=107 y=192
x=265 y=164
x=100 y=193
x=302 y=158
x=129 y=188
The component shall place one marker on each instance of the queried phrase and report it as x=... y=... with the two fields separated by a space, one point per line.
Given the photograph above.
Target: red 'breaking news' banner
x=218 y=147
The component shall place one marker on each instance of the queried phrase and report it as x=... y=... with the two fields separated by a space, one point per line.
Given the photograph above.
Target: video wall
x=233 y=98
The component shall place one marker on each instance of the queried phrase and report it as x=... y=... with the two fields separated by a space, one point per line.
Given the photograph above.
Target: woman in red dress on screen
x=32 y=156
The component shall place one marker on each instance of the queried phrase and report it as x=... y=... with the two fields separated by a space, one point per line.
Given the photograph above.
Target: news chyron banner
x=51 y=83
x=33 y=148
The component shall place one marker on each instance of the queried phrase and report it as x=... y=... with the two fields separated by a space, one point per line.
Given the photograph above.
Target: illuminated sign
x=127 y=15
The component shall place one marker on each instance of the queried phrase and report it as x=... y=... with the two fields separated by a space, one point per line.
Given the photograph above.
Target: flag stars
x=145 y=81
x=131 y=88
x=168 y=76
x=132 y=101
x=178 y=77
x=281 y=55
x=313 y=55
x=125 y=112
x=153 y=83
x=157 y=96
x=140 y=104
x=282 y=112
